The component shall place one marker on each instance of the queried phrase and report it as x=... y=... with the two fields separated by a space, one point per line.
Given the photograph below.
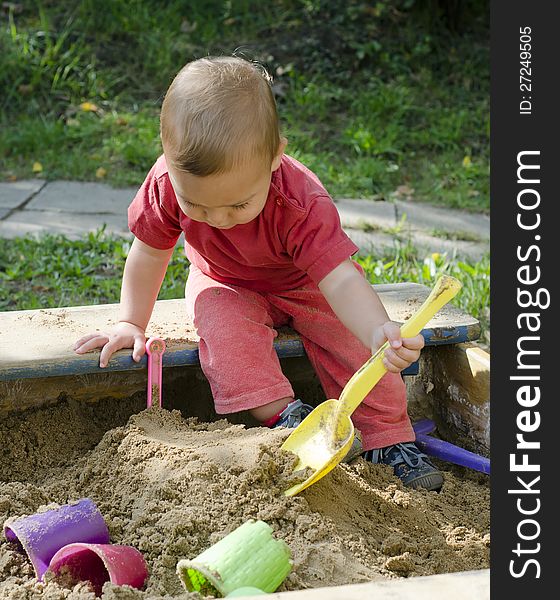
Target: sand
x=172 y=486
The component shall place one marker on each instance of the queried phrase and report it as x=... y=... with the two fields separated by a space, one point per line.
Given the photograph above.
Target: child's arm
x=357 y=305
x=143 y=275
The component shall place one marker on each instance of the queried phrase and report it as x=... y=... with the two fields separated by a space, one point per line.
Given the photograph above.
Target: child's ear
x=278 y=158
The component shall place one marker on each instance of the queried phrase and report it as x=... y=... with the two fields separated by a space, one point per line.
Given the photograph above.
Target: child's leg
x=336 y=354
x=235 y=326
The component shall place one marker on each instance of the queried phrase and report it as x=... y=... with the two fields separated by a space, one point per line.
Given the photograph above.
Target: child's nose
x=219 y=217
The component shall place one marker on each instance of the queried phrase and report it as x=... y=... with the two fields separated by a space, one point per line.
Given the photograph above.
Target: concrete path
x=72 y=208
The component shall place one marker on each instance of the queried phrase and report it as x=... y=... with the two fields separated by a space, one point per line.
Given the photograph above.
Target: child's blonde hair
x=219 y=113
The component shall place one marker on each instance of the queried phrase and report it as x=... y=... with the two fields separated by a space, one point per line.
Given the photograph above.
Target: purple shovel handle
x=447 y=451
x=424 y=426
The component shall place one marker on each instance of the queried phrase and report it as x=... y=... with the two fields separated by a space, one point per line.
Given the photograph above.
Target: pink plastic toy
x=155 y=347
x=98 y=563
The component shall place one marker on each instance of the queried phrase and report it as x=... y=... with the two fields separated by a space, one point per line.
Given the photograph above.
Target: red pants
x=236 y=329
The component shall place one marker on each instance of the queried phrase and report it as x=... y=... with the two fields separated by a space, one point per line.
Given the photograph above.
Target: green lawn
x=372 y=96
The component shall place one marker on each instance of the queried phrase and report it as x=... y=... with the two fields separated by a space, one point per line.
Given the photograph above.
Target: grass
x=367 y=226
x=371 y=96
x=54 y=272
x=463 y=235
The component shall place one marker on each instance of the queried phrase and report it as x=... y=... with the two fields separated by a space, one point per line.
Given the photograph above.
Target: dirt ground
x=171 y=487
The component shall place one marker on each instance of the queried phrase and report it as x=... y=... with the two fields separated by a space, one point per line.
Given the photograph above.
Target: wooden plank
x=462 y=380
x=184 y=388
x=38 y=343
x=454 y=389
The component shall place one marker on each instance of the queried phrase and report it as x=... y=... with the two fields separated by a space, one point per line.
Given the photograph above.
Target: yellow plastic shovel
x=325 y=436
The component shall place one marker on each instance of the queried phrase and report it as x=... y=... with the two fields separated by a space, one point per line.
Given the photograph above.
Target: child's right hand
x=123 y=335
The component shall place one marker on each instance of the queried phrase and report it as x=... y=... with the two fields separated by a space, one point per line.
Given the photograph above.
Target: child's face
x=227 y=199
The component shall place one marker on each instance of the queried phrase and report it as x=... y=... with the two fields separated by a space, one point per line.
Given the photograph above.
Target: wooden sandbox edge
x=465 y=585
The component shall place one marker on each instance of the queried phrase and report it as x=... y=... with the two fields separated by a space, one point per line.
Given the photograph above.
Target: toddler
x=266 y=249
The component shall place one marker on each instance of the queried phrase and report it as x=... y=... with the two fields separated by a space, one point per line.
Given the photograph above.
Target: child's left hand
x=402 y=352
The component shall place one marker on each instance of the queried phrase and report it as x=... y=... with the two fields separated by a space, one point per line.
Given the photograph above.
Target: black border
x=511 y=133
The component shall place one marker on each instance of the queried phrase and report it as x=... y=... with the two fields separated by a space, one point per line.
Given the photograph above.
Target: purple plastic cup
x=41 y=535
x=98 y=563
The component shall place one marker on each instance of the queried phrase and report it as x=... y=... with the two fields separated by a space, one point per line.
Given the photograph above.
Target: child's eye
x=189 y=203
x=240 y=206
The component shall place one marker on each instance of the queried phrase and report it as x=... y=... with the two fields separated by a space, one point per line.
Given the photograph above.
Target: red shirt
x=296 y=237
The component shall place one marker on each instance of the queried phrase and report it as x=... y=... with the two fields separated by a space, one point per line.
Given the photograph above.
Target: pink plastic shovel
x=155 y=347
x=99 y=563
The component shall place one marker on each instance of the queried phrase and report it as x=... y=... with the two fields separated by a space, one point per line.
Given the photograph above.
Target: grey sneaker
x=356 y=450
x=409 y=464
x=294 y=414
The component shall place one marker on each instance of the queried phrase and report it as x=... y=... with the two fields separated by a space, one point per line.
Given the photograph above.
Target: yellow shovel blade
x=321 y=441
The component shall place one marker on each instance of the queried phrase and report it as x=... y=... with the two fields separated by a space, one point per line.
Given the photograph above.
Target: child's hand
x=402 y=352
x=123 y=335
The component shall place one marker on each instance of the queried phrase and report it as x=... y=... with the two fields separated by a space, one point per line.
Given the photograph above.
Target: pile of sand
x=172 y=487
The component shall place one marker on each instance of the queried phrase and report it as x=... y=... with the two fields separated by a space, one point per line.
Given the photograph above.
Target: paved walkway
x=73 y=208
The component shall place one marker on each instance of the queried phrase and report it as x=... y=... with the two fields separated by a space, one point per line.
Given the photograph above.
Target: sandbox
x=172 y=482
x=171 y=486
